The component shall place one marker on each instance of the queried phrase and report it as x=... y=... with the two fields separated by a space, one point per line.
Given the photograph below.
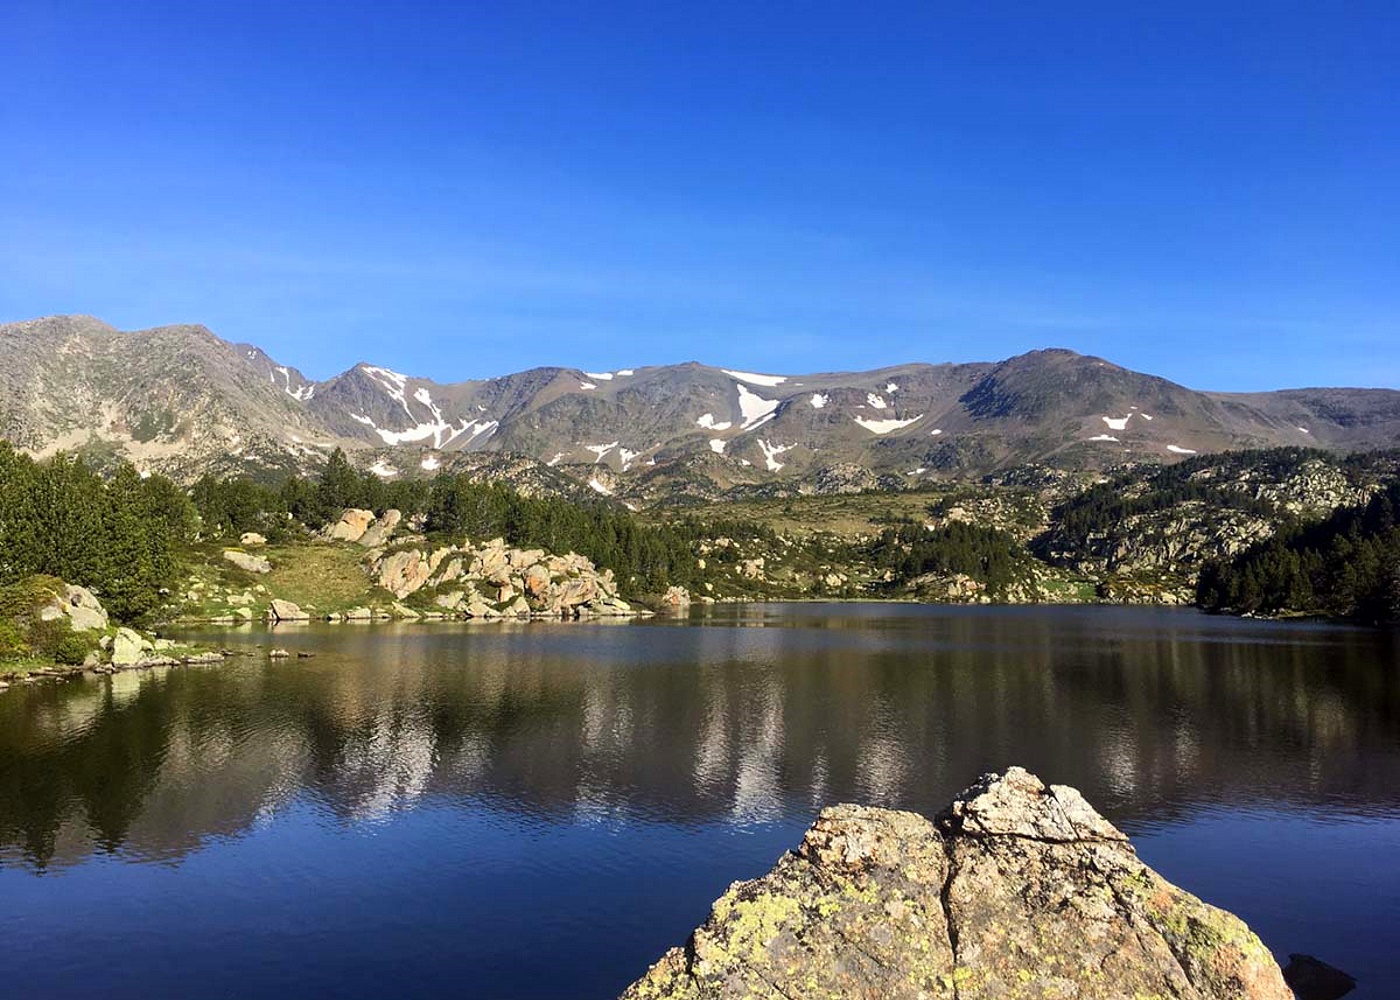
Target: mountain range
x=180 y=400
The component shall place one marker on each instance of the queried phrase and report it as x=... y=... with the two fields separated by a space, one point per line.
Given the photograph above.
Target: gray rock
x=245 y=561
x=83 y=610
x=251 y=539
x=128 y=647
x=286 y=611
x=1017 y=892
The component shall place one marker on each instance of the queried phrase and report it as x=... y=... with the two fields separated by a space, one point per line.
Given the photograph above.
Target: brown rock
x=403 y=572
x=378 y=533
x=1017 y=892
x=351 y=526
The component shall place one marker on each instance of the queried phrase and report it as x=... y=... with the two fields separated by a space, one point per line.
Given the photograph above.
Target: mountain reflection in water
x=746 y=716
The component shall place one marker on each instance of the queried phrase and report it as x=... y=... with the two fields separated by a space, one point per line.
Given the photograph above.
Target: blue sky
x=1210 y=192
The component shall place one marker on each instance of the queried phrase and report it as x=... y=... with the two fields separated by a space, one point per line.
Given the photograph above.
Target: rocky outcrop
x=379 y=532
x=676 y=599
x=495 y=580
x=78 y=604
x=351 y=526
x=245 y=561
x=251 y=540
x=1017 y=891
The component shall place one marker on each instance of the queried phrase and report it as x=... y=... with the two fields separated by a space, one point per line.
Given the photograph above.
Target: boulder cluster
x=494 y=580
x=110 y=649
x=1017 y=891
x=490 y=580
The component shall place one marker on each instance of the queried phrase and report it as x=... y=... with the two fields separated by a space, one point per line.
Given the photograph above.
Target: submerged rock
x=1313 y=979
x=1017 y=891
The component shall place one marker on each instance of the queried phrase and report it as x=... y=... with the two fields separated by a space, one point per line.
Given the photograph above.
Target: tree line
x=120 y=536
x=989 y=555
x=1347 y=566
x=646 y=558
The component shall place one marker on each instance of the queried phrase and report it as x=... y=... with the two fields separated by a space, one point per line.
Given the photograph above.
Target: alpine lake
x=540 y=810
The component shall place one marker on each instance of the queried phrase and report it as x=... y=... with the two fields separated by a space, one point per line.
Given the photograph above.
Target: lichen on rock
x=1016 y=891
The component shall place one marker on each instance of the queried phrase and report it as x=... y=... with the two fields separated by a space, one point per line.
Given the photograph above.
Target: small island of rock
x=1017 y=891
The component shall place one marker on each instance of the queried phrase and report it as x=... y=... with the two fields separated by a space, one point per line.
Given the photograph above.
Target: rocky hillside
x=366 y=568
x=1017 y=891
x=180 y=400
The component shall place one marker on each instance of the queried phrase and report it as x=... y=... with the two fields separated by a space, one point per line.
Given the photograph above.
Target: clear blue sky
x=1210 y=191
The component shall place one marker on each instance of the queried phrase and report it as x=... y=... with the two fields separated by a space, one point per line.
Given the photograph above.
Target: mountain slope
x=182 y=400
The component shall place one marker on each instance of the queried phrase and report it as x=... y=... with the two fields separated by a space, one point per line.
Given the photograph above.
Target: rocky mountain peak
x=178 y=399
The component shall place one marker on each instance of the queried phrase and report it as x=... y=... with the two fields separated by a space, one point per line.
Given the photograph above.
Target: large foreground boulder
x=1016 y=892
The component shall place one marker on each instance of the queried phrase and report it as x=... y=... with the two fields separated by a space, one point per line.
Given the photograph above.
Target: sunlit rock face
x=1017 y=890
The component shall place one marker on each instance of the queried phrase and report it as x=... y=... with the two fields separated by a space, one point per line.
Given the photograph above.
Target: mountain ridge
x=180 y=399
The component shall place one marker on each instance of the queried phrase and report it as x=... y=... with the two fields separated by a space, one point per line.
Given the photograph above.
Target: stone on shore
x=1017 y=891
x=128 y=648
x=286 y=611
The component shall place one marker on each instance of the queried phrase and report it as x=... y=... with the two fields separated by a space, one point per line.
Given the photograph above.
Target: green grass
x=319 y=577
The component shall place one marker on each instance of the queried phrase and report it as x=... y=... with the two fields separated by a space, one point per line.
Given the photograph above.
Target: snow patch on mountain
x=383 y=469
x=1117 y=423
x=707 y=421
x=885 y=426
x=771 y=452
x=876 y=401
x=1176 y=449
x=717 y=445
x=391 y=382
x=600 y=376
x=587 y=385
x=1103 y=437
x=599 y=487
x=818 y=400
x=430 y=463
x=935 y=432
x=891 y=388
x=766 y=380
x=441 y=432
x=601 y=450
x=754 y=407
x=627 y=457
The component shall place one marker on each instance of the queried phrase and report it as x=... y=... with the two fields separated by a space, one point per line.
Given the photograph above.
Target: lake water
x=540 y=810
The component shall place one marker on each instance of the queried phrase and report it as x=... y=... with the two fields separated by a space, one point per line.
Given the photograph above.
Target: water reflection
x=1151 y=713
